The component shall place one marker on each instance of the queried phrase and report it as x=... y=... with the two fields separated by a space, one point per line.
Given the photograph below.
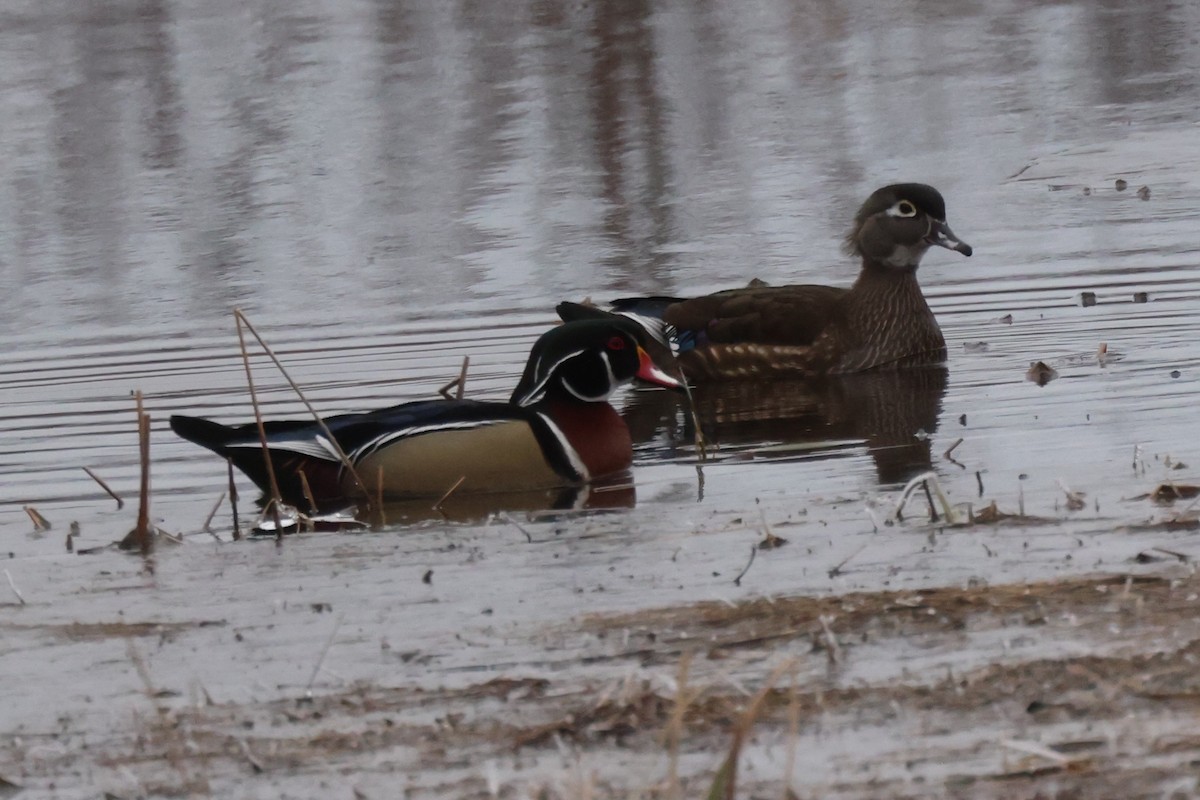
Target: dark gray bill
x=941 y=235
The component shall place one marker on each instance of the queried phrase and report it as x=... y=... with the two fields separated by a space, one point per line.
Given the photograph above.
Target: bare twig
x=724 y=785
x=673 y=732
x=379 y=492
x=308 y=493
x=255 y=764
x=321 y=658
x=1035 y=749
x=12 y=585
x=949 y=450
x=697 y=431
x=835 y=649
x=837 y=568
x=933 y=515
x=241 y=318
x=216 y=507
x=105 y=487
x=506 y=517
x=911 y=486
x=459 y=383
x=738 y=580
x=139 y=664
x=438 y=505
x=262 y=430
x=793 y=737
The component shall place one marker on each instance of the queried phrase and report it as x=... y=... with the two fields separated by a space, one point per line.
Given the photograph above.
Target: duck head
x=899 y=223
x=586 y=361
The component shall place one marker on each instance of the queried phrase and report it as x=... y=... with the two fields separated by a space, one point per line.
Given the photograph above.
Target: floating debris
x=40 y=523
x=771 y=541
x=1141 y=297
x=1167 y=493
x=1143 y=193
x=1087 y=299
x=975 y=347
x=1007 y=319
x=1041 y=373
x=1075 y=500
x=1121 y=185
x=1161 y=554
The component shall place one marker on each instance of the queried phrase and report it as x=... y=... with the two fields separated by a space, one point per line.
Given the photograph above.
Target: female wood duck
x=557 y=429
x=881 y=322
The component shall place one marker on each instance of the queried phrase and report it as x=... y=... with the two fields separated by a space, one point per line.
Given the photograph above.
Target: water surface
x=386 y=188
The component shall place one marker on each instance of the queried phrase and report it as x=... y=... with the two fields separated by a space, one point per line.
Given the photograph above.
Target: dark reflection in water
x=167 y=159
x=608 y=494
x=616 y=492
x=894 y=413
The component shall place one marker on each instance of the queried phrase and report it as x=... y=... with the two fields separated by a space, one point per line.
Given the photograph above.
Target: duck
x=557 y=429
x=759 y=331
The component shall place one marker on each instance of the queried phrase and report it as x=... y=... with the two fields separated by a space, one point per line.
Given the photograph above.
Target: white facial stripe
x=539 y=388
x=612 y=379
x=612 y=384
x=572 y=455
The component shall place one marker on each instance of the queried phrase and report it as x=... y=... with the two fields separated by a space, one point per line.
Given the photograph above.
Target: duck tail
x=204 y=432
x=240 y=444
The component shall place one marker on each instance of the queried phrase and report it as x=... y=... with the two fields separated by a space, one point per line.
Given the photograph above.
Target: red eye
x=616 y=343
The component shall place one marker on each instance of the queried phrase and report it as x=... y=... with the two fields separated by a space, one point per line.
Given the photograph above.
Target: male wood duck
x=881 y=322
x=557 y=429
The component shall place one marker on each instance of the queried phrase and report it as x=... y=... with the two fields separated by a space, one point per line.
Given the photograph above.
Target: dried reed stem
x=673 y=733
x=145 y=543
x=233 y=498
x=459 y=383
x=697 y=431
x=262 y=431
x=241 y=319
x=321 y=658
x=216 y=507
x=438 y=505
x=724 y=785
x=12 y=585
x=40 y=523
x=105 y=487
x=308 y=493
x=738 y=580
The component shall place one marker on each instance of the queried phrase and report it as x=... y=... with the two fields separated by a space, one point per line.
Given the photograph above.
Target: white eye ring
x=902 y=209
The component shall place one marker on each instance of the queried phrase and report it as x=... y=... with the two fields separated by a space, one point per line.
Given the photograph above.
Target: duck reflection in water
x=891 y=412
x=611 y=493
